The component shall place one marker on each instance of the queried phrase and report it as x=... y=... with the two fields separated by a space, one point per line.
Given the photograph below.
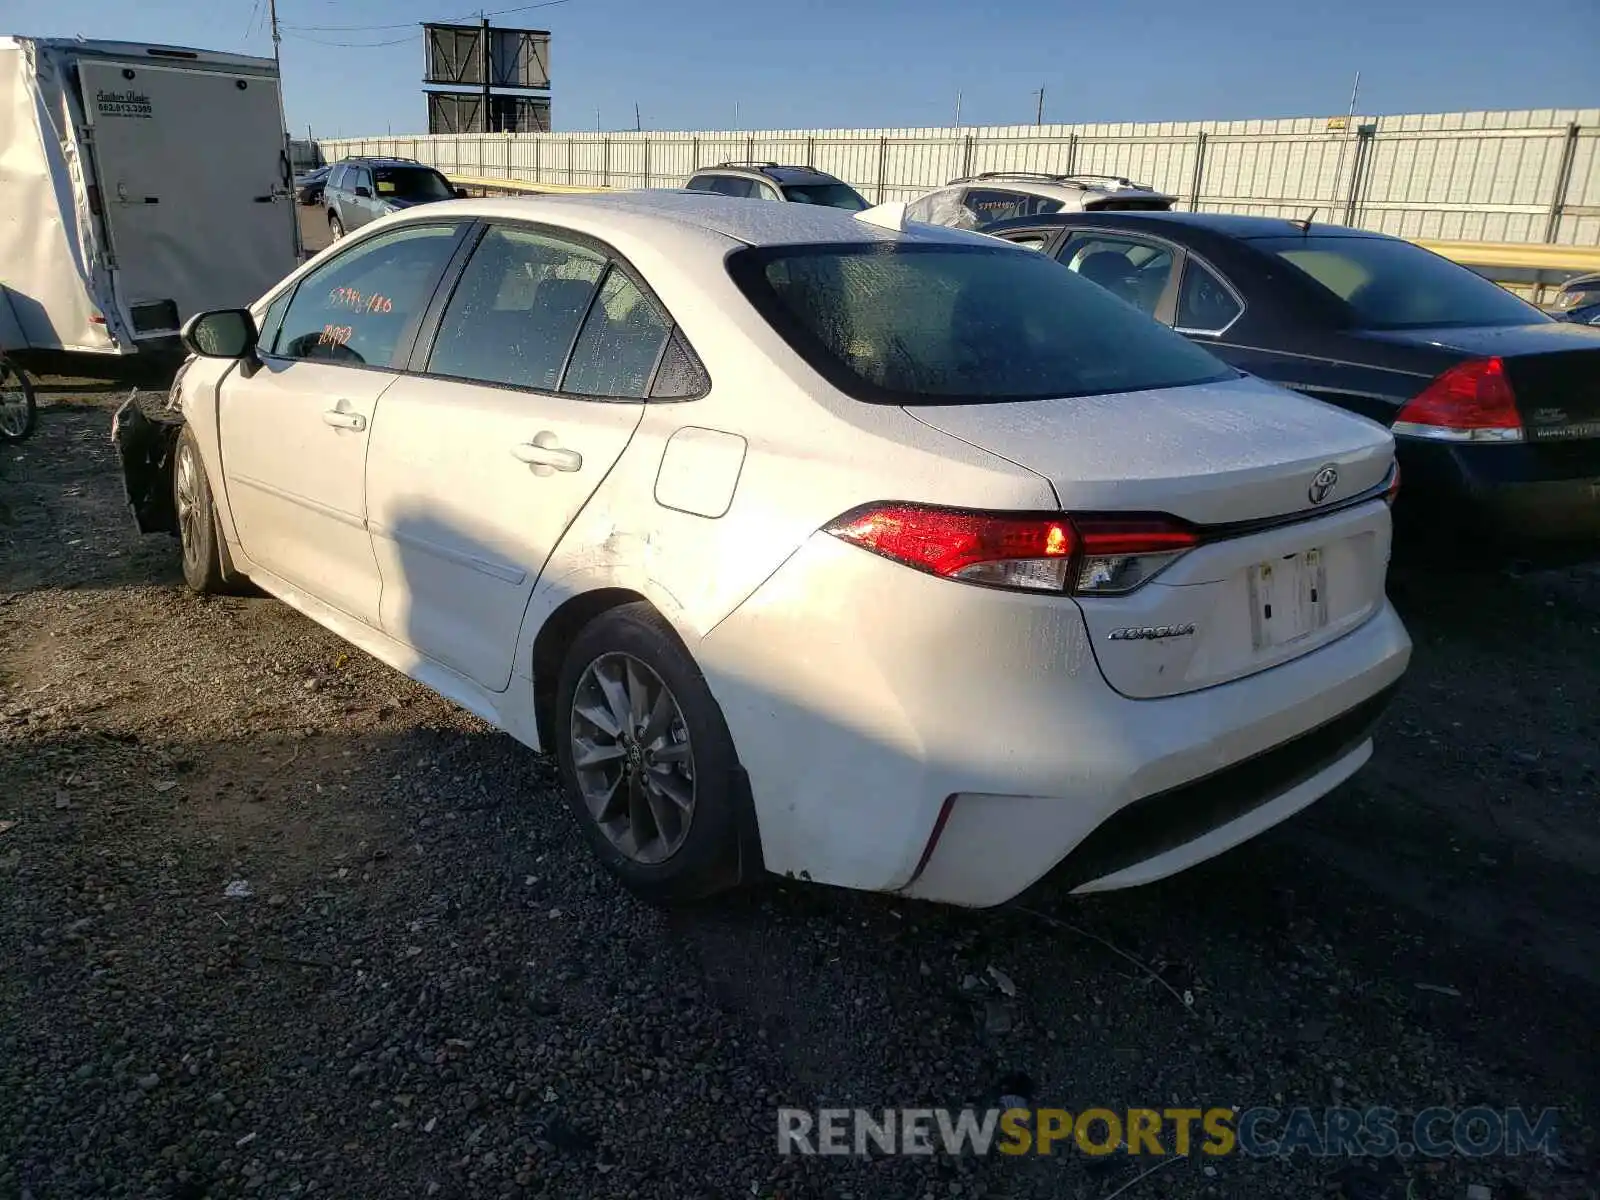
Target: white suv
x=981 y=200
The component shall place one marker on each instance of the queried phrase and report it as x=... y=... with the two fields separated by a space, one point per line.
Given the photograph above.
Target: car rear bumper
x=1525 y=499
x=906 y=733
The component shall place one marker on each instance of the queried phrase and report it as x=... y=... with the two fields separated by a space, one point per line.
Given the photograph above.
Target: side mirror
x=222 y=333
x=461 y=193
x=364 y=192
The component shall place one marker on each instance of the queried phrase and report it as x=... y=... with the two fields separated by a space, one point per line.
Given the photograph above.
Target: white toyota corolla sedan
x=881 y=555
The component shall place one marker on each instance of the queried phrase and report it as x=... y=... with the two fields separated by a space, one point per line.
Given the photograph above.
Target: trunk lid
x=1553 y=368
x=1276 y=575
x=1215 y=453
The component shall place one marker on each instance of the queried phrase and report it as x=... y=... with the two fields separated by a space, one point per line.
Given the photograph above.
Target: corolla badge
x=1323 y=483
x=1152 y=633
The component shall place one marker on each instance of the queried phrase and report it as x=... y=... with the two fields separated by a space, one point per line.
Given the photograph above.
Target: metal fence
x=1528 y=176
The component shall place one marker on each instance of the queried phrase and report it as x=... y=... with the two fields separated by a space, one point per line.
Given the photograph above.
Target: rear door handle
x=340 y=419
x=545 y=454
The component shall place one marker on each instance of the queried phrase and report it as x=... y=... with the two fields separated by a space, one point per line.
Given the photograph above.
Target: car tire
x=197 y=519
x=19 y=410
x=335 y=226
x=686 y=751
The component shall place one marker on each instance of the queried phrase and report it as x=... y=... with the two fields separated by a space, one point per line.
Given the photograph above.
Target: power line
x=300 y=37
x=413 y=24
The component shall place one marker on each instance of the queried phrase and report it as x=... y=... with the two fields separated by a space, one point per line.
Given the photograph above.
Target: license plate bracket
x=1288 y=599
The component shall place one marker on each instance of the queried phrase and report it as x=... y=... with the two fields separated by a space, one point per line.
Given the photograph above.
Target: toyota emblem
x=1323 y=483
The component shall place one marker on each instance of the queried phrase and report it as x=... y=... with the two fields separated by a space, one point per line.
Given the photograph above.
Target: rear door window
x=360 y=307
x=1134 y=271
x=909 y=323
x=1205 y=303
x=619 y=344
x=516 y=311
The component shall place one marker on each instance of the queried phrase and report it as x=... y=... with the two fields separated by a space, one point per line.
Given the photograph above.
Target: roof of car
x=1052 y=186
x=754 y=224
x=381 y=160
x=1231 y=225
x=778 y=172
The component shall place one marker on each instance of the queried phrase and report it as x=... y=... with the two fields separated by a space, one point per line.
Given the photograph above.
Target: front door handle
x=545 y=454
x=340 y=419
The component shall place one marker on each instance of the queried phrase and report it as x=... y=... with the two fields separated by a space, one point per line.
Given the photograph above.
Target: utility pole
x=1349 y=129
x=638 y=125
x=488 y=124
x=283 y=124
x=958 y=108
x=1038 y=116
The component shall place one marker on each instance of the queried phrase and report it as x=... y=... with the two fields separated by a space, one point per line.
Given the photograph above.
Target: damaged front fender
x=146 y=445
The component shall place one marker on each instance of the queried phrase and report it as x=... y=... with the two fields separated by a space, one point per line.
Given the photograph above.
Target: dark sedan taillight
x=1471 y=402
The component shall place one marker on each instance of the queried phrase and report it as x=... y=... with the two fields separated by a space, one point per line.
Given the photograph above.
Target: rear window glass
x=948 y=324
x=412 y=183
x=1115 y=205
x=830 y=195
x=1392 y=284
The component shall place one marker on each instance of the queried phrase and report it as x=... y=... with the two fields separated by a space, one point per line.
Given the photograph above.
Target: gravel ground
x=431 y=990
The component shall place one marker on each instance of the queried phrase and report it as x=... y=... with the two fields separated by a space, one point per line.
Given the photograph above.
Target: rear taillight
x=1086 y=555
x=1391 y=490
x=1471 y=402
x=1120 y=553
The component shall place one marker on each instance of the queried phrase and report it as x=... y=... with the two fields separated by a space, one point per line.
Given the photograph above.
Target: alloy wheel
x=632 y=757
x=13 y=404
x=187 y=494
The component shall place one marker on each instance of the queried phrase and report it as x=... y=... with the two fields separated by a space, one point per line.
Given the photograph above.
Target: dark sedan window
x=1205 y=305
x=951 y=324
x=1392 y=284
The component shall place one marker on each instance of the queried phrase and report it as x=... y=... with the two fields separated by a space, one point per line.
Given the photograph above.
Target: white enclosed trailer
x=139 y=185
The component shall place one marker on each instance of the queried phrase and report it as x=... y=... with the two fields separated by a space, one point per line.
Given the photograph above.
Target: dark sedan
x=308 y=187
x=1494 y=406
x=1578 y=300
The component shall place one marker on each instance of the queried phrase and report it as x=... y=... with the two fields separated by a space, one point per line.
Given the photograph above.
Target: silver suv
x=359 y=190
x=774 y=181
x=980 y=200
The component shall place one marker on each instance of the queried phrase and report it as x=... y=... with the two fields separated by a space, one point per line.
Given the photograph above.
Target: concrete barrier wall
x=1528 y=176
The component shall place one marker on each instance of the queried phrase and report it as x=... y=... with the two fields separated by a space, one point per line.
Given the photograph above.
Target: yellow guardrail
x=521 y=186
x=1519 y=256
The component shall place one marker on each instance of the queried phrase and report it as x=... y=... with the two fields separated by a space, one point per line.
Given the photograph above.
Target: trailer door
x=192 y=183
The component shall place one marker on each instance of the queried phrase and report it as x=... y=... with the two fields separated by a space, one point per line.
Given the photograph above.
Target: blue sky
x=687 y=63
